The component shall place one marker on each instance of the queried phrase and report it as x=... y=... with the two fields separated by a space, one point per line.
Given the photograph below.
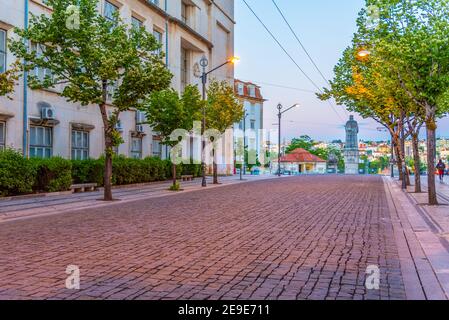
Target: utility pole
x=280 y=113
x=204 y=63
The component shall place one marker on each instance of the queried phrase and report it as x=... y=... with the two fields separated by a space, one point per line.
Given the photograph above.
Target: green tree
x=223 y=110
x=304 y=142
x=88 y=58
x=412 y=39
x=8 y=80
x=173 y=116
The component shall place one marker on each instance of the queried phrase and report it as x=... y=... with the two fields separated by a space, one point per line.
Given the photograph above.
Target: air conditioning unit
x=140 y=129
x=48 y=113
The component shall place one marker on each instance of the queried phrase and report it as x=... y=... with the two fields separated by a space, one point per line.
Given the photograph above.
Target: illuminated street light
x=204 y=63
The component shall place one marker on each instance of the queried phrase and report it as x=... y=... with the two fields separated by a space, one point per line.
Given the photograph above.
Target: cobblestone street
x=291 y=238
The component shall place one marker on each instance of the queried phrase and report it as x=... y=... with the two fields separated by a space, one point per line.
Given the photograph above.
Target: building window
x=253 y=124
x=2 y=51
x=184 y=68
x=155 y=2
x=136 y=148
x=241 y=125
x=110 y=11
x=184 y=12
x=136 y=23
x=80 y=145
x=240 y=88
x=41 y=142
x=253 y=109
x=158 y=35
x=252 y=91
x=2 y=135
x=40 y=73
x=157 y=148
x=110 y=91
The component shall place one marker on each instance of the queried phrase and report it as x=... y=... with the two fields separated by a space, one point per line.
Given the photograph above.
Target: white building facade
x=40 y=123
x=250 y=95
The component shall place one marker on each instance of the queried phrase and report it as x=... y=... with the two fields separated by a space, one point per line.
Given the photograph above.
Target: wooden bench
x=84 y=187
x=187 y=178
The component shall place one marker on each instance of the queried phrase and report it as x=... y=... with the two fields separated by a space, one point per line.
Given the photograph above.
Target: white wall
x=208 y=27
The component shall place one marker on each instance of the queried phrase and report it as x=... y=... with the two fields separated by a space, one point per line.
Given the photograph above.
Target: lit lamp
x=204 y=63
x=363 y=53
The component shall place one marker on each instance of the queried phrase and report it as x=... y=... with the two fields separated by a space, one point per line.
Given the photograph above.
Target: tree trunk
x=174 y=175
x=417 y=163
x=215 y=167
x=108 y=170
x=407 y=176
x=399 y=160
x=431 y=154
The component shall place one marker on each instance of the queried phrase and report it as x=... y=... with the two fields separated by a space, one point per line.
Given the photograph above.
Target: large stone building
x=187 y=30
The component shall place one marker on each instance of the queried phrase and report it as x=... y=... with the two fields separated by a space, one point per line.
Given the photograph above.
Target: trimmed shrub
x=169 y=169
x=124 y=170
x=52 y=175
x=191 y=170
x=17 y=175
x=88 y=171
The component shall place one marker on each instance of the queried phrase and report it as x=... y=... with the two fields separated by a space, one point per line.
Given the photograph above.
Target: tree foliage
x=90 y=59
x=168 y=112
x=8 y=80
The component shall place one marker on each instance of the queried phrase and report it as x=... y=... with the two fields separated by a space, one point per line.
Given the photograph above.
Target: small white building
x=303 y=162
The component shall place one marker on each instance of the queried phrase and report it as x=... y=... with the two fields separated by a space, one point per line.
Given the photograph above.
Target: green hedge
x=17 y=175
x=88 y=171
x=52 y=175
x=192 y=170
x=124 y=170
x=22 y=176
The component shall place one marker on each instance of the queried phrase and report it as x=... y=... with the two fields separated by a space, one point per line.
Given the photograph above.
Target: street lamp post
x=243 y=166
x=280 y=113
x=204 y=63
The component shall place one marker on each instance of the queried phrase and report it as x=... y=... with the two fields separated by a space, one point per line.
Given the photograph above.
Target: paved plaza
x=309 y=237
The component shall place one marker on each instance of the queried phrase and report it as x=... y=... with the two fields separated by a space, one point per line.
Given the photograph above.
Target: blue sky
x=325 y=27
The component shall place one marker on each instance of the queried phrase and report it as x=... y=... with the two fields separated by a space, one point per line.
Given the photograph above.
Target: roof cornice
x=177 y=21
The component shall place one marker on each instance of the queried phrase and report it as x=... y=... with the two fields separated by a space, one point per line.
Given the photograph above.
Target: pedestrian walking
x=441 y=167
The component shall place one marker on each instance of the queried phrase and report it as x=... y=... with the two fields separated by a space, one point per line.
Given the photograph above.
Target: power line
x=288 y=54
x=302 y=46
x=299 y=41
x=248 y=80
x=281 y=46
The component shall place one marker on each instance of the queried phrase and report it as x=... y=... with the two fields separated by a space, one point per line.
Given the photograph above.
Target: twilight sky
x=325 y=27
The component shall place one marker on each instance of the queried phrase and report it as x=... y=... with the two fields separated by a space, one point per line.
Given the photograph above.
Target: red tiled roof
x=246 y=90
x=301 y=155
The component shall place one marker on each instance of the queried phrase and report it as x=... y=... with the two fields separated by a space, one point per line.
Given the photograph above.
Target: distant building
x=351 y=151
x=250 y=95
x=302 y=161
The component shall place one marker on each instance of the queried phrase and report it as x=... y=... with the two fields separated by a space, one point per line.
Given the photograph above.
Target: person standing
x=441 y=167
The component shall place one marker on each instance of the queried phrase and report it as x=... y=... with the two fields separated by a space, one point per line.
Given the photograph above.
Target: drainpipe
x=25 y=92
x=166 y=34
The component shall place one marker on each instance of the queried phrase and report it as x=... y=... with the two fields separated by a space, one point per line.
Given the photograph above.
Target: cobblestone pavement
x=309 y=237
